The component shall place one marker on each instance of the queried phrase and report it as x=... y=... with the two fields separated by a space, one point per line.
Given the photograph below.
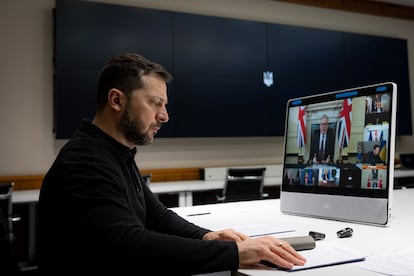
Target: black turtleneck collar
x=127 y=152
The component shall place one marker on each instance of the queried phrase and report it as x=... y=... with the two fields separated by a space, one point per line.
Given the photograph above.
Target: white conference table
x=398 y=235
x=184 y=189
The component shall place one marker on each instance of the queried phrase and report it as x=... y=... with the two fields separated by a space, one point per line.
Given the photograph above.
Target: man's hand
x=269 y=249
x=226 y=235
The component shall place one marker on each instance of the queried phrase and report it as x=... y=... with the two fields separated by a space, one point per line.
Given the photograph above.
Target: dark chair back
x=243 y=184
x=8 y=261
x=147 y=178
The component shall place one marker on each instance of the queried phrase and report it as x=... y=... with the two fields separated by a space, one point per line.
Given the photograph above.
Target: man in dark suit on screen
x=373 y=157
x=323 y=143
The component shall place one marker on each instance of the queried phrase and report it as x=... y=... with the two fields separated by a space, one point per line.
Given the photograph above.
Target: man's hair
x=124 y=72
x=324 y=116
x=376 y=146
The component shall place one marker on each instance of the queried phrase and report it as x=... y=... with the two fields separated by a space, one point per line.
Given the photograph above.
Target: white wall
x=27 y=144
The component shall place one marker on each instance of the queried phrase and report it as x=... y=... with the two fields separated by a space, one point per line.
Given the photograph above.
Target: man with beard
x=96 y=215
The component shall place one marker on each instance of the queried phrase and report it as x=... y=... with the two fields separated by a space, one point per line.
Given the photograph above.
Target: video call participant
x=373 y=157
x=323 y=143
x=96 y=214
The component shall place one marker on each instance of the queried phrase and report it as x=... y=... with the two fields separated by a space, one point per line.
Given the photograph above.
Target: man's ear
x=116 y=99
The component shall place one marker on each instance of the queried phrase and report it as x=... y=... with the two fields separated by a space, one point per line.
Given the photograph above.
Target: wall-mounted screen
x=232 y=77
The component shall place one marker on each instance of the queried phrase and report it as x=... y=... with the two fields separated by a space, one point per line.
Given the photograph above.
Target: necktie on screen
x=322 y=143
x=322 y=147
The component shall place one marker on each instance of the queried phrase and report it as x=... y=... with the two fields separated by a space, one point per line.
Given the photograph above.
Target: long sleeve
x=95 y=217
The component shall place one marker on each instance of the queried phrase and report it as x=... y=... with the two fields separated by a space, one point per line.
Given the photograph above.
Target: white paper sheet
x=390 y=263
x=325 y=254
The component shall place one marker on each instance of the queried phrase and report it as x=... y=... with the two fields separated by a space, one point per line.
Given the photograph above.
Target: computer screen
x=339 y=154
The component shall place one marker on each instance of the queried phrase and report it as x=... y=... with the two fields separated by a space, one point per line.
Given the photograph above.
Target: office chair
x=243 y=184
x=8 y=261
x=147 y=178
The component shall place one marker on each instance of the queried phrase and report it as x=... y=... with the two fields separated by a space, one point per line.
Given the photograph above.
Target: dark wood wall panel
x=28 y=182
x=361 y=6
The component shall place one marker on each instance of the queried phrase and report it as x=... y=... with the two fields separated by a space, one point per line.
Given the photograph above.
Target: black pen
x=271 y=233
x=198 y=214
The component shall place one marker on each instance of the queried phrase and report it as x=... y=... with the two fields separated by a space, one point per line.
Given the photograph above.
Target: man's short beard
x=130 y=128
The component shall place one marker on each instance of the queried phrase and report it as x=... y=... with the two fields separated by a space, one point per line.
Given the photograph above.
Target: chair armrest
x=220 y=199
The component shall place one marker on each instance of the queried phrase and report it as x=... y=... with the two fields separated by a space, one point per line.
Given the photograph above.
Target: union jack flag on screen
x=344 y=124
x=301 y=127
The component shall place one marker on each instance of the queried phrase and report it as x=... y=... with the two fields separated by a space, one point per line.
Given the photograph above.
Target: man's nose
x=162 y=116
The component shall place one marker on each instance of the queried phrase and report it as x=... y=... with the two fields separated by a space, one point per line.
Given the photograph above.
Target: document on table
x=325 y=254
x=390 y=263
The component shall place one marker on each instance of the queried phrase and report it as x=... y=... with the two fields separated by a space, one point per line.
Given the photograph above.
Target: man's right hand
x=270 y=249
